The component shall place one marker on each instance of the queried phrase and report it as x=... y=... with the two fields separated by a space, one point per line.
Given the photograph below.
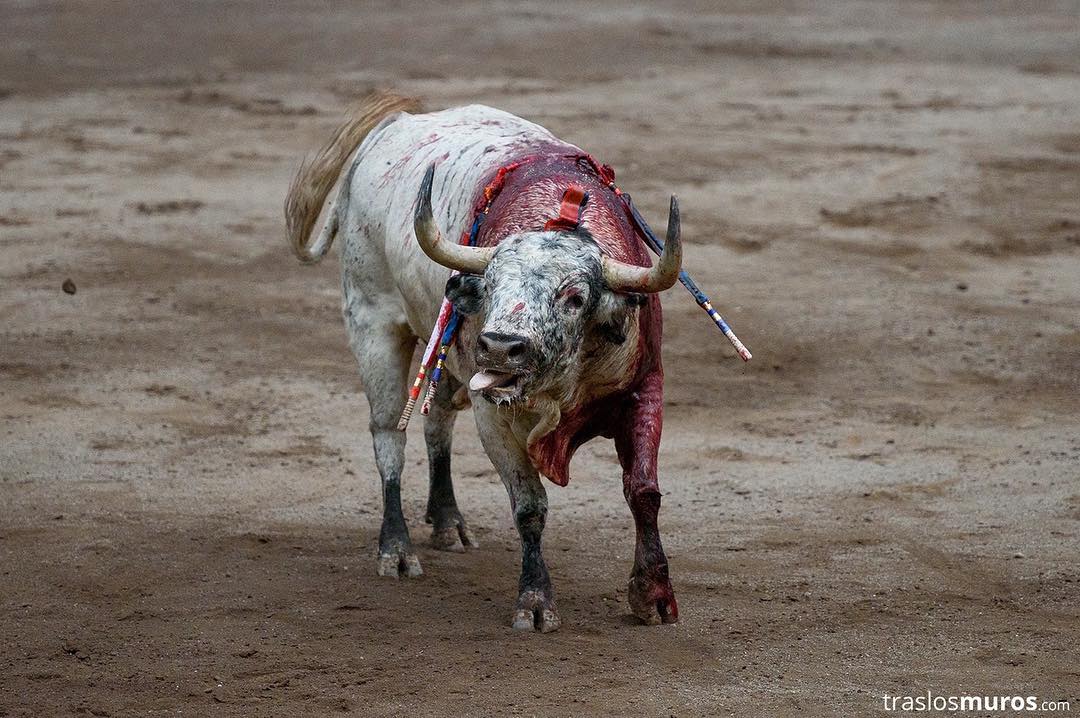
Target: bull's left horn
x=622 y=277
x=469 y=260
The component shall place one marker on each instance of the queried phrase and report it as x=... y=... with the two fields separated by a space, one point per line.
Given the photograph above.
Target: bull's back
x=468 y=145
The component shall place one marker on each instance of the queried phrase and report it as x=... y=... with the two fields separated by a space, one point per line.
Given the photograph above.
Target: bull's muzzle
x=504 y=361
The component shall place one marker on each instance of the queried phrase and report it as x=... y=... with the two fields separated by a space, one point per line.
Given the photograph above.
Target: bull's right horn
x=622 y=277
x=459 y=257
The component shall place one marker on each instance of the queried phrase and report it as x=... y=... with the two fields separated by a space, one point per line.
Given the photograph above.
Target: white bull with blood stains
x=560 y=338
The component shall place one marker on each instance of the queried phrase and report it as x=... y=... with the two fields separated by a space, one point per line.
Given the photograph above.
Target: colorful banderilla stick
x=447 y=339
x=445 y=309
x=699 y=296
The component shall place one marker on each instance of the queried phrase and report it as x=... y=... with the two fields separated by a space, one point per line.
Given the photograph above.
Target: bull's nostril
x=498 y=347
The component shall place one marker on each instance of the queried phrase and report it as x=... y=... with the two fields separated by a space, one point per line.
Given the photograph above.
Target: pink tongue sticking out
x=482 y=380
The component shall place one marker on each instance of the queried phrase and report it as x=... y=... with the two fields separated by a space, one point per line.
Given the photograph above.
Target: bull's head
x=541 y=297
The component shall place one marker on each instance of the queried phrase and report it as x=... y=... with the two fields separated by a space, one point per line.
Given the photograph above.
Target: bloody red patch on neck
x=526 y=200
x=551 y=453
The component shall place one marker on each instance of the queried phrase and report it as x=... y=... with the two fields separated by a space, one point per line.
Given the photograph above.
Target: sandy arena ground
x=883 y=198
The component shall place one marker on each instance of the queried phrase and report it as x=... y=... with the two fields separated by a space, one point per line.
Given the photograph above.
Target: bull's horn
x=462 y=258
x=622 y=277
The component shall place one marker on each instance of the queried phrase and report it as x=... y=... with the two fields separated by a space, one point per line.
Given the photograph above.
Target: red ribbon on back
x=573 y=201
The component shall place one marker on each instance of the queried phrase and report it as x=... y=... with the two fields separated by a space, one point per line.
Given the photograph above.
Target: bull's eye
x=575 y=301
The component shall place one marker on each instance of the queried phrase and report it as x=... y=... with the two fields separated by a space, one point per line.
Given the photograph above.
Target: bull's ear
x=613 y=315
x=612 y=332
x=466 y=293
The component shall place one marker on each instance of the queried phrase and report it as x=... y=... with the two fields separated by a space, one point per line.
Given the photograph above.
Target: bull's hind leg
x=383 y=346
x=448 y=529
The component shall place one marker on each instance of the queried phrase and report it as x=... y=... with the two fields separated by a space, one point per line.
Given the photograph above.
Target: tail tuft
x=317 y=176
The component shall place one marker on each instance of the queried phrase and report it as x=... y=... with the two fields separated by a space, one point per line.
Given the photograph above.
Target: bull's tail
x=317 y=176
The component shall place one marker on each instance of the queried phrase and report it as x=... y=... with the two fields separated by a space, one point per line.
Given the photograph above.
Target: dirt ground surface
x=883 y=198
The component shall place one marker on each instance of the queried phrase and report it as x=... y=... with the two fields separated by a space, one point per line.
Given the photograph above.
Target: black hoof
x=535 y=612
x=398 y=563
x=451 y=533
x=652 y=601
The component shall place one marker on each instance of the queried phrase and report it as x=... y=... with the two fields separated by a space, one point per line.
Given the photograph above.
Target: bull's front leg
x=535 y=606
x=637 y=441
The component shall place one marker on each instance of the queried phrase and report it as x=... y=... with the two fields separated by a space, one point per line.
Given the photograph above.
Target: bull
x=561 y=330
